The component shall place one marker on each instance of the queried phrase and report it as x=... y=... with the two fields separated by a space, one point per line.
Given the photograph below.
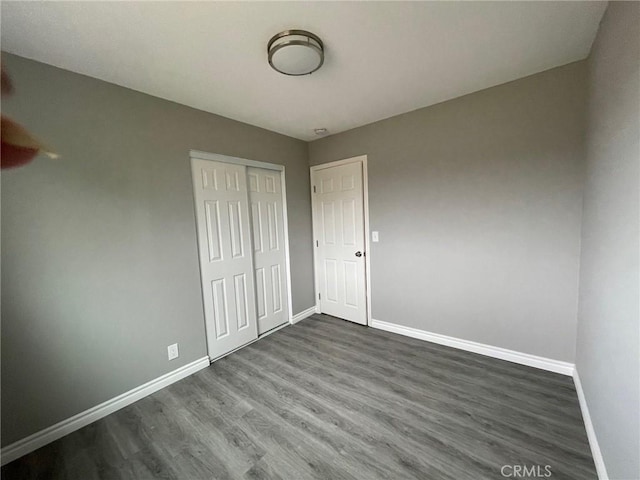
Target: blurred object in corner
x=18 y=145
x=6 y=83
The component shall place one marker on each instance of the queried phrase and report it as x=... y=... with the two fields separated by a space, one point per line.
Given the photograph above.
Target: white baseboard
x=591 y=433
x=543 y=363
x=304 y=314
x=60 y=429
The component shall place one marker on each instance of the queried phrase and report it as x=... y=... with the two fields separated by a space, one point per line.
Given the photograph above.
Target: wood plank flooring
x=328 y=399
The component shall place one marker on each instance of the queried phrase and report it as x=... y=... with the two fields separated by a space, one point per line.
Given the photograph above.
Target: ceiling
x=382 y=58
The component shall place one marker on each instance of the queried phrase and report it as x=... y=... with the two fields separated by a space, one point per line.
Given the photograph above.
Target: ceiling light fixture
x=320 y=131
x=295 y=52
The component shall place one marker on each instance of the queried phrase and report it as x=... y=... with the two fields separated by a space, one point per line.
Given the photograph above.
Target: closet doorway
x=243 y=248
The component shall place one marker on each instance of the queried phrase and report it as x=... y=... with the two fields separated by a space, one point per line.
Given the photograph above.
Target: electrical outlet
x=172 y=351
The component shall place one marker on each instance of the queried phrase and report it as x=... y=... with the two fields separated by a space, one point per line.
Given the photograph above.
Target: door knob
x=358 y=254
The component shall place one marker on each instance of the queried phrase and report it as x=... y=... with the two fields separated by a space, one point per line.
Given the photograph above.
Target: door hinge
x=317 y=243
x=319 y=296
x=314 y=189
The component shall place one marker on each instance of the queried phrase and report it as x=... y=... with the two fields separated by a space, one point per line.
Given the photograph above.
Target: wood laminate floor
x=328 y=399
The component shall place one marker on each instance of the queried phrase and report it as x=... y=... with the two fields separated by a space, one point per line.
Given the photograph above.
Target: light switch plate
x=172 y=351
x=374 y=236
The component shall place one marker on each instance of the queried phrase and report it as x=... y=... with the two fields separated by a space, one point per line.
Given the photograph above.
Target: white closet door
x=226 y=265
x=265 y=197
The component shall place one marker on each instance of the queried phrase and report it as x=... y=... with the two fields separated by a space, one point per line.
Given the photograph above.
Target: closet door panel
x=226 y=255
x=265 y=197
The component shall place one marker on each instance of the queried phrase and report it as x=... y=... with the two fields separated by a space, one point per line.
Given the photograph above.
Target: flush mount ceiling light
x=295 y=52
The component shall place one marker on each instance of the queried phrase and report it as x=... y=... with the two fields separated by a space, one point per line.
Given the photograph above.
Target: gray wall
x=99 y=261
x=608 y=353
x=478 y=203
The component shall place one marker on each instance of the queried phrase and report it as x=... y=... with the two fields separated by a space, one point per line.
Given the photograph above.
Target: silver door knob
x=358 y=254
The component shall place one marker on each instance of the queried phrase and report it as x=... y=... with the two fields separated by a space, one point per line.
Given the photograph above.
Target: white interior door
x=338 y=216
x=265 y=197
x=226 y=265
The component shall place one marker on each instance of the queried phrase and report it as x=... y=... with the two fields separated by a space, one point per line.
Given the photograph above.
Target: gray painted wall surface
x=99 y=261
x=608 y=351
x=478 y=203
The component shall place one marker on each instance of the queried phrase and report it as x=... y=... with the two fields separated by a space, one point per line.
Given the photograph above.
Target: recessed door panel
x=235 y=228
x=256 y=220
x=214 y=232
x=253 y=182
x=331 y=280
x=328 y=223
x=272 y=214
x=348 y=182
x=326 y=185
x=233 y=180
x=349 y=224
x=219 y=304
x=242 y=301
x=210 y=179
x=276 y=281
x=351 y=282
x=271 y=184
x=261 y=293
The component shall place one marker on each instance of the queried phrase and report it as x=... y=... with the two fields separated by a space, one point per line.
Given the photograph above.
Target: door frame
x=216 y=157
x=367 y=244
